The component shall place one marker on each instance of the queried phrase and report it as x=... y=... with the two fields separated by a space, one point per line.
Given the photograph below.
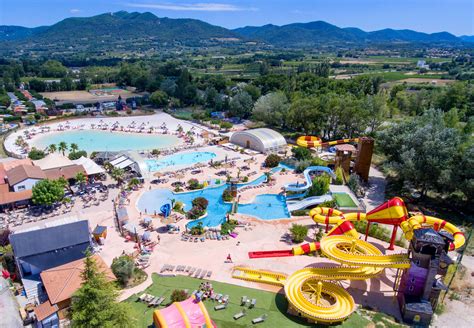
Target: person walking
x=229 y=259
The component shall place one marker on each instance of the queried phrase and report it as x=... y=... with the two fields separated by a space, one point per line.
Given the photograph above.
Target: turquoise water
x=265 y=207
x=179 y=159
x=92 y=140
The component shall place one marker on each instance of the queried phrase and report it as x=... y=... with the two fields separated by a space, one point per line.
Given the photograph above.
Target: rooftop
x=23 y=172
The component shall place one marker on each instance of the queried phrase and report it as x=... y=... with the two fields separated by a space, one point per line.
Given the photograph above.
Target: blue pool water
x=179 y=159
x=265 y=207
x=92 y=140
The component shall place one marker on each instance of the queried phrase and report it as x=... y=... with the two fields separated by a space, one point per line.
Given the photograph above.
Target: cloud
x=75 y=11
x=191 y=6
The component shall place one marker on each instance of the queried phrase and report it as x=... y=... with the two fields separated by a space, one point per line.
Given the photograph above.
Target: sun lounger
x=209 y=273
x=218 y=297
x=243 y=300
x=194 y=292
x=220 y=307
x=203 y=274
x=253 y=303
x=187 y=269
x=142 y=297
x=198 y=272
x=239 y=315
x=153 y=301
x=213 y=297
x=192 y=271
x=225 y=299
x=260 y=319
x=159 y=301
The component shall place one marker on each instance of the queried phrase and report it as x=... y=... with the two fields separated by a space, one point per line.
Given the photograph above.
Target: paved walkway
x=375 y=195
x=10 y=317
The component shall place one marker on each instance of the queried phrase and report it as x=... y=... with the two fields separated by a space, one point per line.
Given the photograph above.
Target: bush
x=195 y=213
x=200 y=202
x=9 y=119
x=320 y=185
x=301 y=153
x=339 y=176
x=178 y=207
x=300 y=213
x=47 y=192
x=245 y=179
x=227 y=195
x=178 y=295
x=123 y=268
x=298 y=232
x=224 y=125
x=228 y=227
x=36 y=154
x=197 y=230
x=155 y=152
x=354 y=184
x=194 y=184
x=329 y=203
x=272 y=160
x=77 y=154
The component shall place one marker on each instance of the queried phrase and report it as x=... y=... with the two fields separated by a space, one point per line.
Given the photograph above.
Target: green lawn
x=274 y=305
x=344 y=200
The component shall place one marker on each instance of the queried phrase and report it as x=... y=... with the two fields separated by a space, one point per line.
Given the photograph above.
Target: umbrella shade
x=147 y=220
x=130 y=227
x=146 y=235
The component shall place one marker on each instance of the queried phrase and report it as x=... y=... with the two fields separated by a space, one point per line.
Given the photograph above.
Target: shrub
x=339 y=176
x=245 y=179
x=228 y=227
x=298 y=232
x=178 y=207
x=224 y=125
x=178 y=295
x=123 y=268
x=299 y=213
x=227 y=195
x=354 y=184
x=320 y=186
x=194 y=184
x=36 y=154
x=47 y=192
x=155 y=152
x=77 y=154
x=197 y=230
x=329 y=203
x=272 y=160
x=200 y=202
x=301 y=153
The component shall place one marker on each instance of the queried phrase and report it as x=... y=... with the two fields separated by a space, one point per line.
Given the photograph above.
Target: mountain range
x=145 y=29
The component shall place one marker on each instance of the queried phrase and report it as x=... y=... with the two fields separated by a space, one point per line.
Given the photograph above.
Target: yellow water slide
x=309 y=291
x=311 y=142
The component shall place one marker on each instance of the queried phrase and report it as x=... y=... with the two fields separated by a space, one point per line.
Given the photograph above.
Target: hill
x=319 y=32
x=114 y=28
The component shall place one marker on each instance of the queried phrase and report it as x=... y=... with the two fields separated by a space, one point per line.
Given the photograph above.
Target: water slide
x=309 y=291
x=311 y=142
x=165 y=210
x=295 y=205
x=297 y=187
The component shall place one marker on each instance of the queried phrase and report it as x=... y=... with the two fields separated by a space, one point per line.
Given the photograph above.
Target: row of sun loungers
x=152 y=301
x=190 y=271
x=224 y=300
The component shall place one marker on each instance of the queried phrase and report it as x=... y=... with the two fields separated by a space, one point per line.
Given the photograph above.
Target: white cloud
x=191 y=6
x=75 y=11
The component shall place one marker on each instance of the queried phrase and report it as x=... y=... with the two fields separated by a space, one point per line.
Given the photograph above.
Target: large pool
x=265 y=207
x=92 y=140
x=179 y=159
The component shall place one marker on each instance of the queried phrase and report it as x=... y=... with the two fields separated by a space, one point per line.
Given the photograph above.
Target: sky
x=455 y=16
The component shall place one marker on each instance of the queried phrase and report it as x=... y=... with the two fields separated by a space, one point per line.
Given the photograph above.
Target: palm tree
x=62 y=147
x=81 y=178
x=74 y=147
x=117 y=174
x=52 y=148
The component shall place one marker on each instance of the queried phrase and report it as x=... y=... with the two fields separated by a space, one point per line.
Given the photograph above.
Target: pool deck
x=155 y=120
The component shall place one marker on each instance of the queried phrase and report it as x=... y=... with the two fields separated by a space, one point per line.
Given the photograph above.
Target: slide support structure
x=392 y=239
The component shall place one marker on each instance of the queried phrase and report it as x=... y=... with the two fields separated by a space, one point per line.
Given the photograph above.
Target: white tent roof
x=89 y=165
x=52 y=161
x=118 y=160
x=124 y=164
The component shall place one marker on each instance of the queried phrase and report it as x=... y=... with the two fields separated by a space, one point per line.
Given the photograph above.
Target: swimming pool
x=179 y=159
x=92 y=140
x=265 y=207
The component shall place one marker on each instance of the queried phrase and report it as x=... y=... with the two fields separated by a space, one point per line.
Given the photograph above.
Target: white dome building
x=263 y=140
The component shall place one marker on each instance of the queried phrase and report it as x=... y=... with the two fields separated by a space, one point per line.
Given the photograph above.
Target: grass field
x=344 y=200
x=274 y=305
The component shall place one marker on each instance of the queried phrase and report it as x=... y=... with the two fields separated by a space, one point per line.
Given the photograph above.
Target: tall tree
x=95 y=304
x=62 y=147
x=272 y=109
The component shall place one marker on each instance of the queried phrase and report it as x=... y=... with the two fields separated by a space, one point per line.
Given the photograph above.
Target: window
x=21 y=188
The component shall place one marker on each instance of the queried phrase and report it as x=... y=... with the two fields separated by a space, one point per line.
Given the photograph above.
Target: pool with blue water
x=265 y=206
x=155 y=165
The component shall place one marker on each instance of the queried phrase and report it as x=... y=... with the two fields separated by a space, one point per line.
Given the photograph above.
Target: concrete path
x=375 y=195
x=10 y=317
